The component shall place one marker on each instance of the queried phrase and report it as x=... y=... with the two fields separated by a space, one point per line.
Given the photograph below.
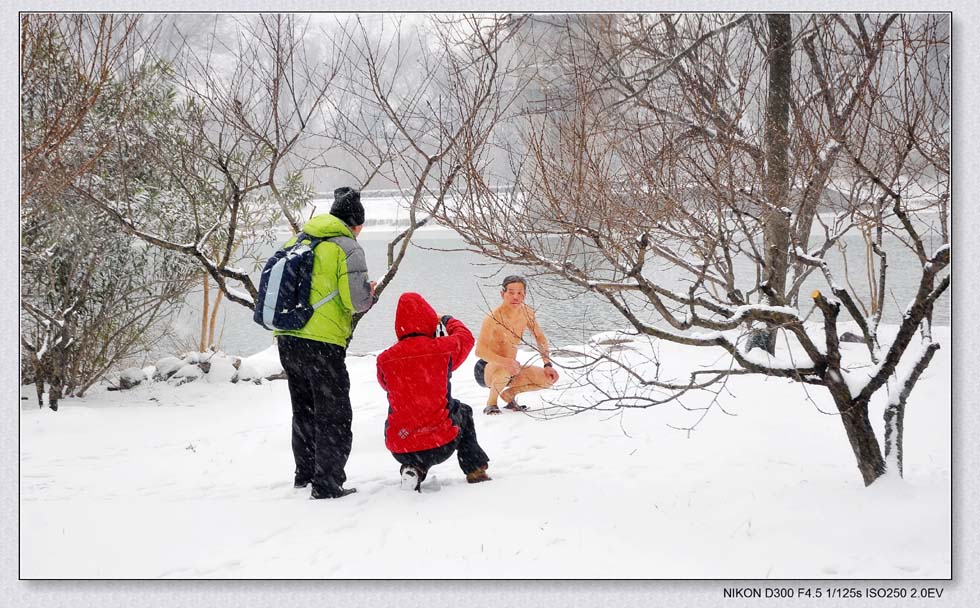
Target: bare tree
x=242 y=114
x=246 y=134
x=430 y=96
x=695 y=171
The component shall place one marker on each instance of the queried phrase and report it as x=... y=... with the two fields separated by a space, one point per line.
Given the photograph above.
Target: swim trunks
x=478 y=369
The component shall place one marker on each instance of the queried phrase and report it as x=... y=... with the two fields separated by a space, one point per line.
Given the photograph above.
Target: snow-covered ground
x=195 y=481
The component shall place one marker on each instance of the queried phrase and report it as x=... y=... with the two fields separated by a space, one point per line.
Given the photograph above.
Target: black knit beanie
x=347 y=206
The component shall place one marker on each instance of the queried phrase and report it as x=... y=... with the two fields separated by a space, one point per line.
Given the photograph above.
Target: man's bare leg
x=495 y=377
x=491 y=407
x=532 y=378
x=503 y=386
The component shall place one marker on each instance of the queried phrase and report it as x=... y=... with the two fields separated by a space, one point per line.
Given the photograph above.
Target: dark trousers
x=469 y=453
x=319 y=389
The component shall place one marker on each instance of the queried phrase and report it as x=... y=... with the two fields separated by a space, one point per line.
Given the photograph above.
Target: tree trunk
x=55 y=372
x=895 y=435
x=40 y=377
x=204 y=315
x=895 y=411
x=39 y=388
x=214 y=318
x=776 y=178
x=860 y=434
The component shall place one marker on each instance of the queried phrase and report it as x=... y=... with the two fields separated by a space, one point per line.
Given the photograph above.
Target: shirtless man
x=502 y=331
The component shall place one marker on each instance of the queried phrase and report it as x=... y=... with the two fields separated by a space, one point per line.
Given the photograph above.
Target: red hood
x=414 y=316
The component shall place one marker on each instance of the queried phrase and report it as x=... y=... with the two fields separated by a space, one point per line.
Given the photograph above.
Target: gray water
x=466 y=285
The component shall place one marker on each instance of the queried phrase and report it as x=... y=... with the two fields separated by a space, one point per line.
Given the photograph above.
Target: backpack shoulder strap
x=314 y=240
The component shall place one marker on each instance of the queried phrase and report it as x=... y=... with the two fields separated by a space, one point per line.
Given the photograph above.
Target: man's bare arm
x=539 y=336
x=543 y=349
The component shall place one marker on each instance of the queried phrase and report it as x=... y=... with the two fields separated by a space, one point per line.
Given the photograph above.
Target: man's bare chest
x=510 y=331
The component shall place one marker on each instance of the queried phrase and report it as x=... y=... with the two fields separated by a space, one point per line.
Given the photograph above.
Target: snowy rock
x=189 y=370
x=261 y=365
x=221 y=368
x=188 y=373
x=278 y=376
x=851 y=337
x=131 y=377
x=167 y=367
x=201 y=360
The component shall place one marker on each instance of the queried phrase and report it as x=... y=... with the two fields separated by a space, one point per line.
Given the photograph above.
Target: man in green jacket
x=313 y=357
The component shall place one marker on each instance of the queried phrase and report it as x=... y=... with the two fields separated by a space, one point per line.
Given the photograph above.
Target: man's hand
x=373 y=285
x=552 y=374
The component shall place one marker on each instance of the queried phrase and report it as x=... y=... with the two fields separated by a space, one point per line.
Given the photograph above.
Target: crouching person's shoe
x=320 y=494
x=412 y=478
x=478 y=475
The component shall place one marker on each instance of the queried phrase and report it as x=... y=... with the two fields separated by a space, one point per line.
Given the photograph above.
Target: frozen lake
x=464 y=284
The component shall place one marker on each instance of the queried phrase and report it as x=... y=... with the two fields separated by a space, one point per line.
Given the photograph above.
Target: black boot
x=412 y=477
x=316 y=495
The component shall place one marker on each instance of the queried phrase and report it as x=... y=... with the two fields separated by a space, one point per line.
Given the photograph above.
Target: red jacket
x=415 y=372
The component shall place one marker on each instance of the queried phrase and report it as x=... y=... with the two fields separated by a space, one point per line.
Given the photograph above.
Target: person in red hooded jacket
x=425 y=423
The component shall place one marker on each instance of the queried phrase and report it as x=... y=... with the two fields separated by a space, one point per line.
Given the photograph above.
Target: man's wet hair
x=513 y=278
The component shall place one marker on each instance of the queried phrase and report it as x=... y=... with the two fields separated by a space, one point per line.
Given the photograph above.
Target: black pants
x=319 y=389
x=469 y=453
